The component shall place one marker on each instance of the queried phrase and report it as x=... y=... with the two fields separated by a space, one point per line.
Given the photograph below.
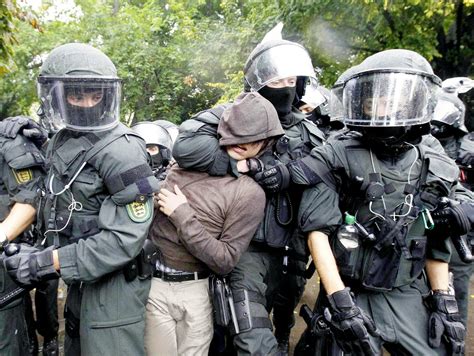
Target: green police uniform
x=98 y=208
x=388 y=285
x=21 y=165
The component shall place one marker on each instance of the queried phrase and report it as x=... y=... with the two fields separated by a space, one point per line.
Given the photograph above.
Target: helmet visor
x=336 y=110
x=388 y=99
x=282 y=61
x=82 y=104
x=446 y=112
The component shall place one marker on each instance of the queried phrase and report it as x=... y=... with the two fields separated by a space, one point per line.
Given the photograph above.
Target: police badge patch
x=22 y=175
x=139 y=212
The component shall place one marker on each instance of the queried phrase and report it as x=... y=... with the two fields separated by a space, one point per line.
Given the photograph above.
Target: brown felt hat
x=250 y=118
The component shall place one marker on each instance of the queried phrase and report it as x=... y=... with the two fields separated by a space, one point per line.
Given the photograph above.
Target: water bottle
x=347 y=233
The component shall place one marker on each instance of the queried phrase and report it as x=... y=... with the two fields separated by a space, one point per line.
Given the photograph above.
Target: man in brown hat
x=196 y=236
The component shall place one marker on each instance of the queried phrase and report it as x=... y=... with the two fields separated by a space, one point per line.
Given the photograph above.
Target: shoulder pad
x=439 y=165
x=211 y=116
x=191 y=125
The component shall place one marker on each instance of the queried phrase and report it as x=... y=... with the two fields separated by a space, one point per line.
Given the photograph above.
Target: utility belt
x=180 y=277
x=232 y=307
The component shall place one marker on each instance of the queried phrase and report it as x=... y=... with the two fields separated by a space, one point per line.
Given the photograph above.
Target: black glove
x=466 y=159
x=455 y=219
x=10 y=127
x=255 y=166
x=273 y=179
x=29 y=266
x=350 y=324
x=445 y=322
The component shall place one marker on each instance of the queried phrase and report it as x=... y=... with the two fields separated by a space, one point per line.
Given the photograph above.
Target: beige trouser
x=178 y=318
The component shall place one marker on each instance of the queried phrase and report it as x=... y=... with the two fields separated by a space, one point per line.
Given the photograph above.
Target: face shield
x=448 y=113
x=81 y=104
x=388 y=99
x=336 y=109
x=279 y=62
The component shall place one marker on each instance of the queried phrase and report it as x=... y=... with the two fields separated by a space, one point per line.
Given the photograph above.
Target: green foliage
x=178 y=57
x=7 y=11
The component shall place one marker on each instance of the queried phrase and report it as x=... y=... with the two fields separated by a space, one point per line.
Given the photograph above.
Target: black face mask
x=281 y=98
x=160 y=160
x=393 y=140
x=156 y=161
x=85 y=116
x=313 y=117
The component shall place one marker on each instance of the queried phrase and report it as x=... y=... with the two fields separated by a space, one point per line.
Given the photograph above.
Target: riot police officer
x=158 y=145
x=22 y=169
x=45 y=296
x=96 y=207
x=448 y=127
x=316 y=104
x=390 y=182
x=280 y=71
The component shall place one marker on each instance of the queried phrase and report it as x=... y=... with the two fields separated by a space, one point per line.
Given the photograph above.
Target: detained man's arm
x=220 y=255
x=325 y=262
x=18 y=220
x=438 y=274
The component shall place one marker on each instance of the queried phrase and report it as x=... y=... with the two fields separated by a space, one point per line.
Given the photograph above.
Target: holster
x=146 y=260
x=218 y=288
x=143 y=265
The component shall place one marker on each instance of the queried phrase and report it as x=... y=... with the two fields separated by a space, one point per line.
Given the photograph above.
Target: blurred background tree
x=178 y=57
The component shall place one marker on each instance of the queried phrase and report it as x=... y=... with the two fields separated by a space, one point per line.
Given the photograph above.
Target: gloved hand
x=350 y=324
x=455 y=219
x=28 y=266
x=254 y=166
x=10 y=127
x=445 y=322
x=273 y=179
x=466 y=159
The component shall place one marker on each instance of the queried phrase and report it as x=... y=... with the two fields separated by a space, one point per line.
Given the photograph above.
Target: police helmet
x=392 y=88
x=274 y=58
x=79 y=89
x=172 y=128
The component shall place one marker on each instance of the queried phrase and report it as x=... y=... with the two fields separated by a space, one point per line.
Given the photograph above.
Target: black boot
x=33 y=348
x=283 y=344
x=50 y=347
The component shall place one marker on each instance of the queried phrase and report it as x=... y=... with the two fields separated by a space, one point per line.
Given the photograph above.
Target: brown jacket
x=216 y=225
